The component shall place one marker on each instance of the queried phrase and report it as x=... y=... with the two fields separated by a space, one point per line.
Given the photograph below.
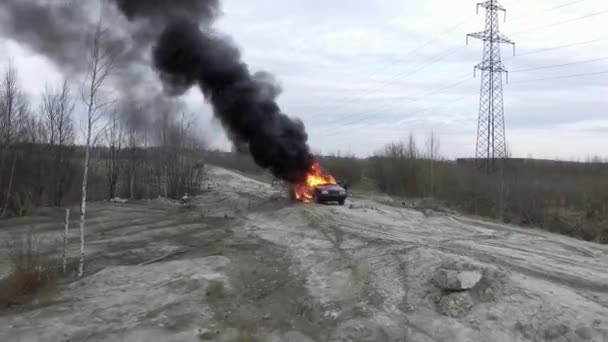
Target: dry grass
x=563 y=197
x=33 y=272
x=247 y=332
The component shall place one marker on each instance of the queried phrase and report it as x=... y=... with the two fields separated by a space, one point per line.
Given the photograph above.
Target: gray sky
x=362 y=73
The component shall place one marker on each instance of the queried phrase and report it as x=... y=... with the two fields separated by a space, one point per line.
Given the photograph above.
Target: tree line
x=80 y=143
x=569 y=198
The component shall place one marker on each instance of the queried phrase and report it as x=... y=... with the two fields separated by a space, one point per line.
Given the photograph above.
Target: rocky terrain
x=242 y=263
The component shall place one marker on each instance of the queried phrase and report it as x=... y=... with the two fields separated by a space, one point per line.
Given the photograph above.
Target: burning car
x=318 y=187
x=329 y=193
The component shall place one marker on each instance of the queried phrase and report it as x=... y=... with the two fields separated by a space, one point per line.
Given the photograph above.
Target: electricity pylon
x=491 y=139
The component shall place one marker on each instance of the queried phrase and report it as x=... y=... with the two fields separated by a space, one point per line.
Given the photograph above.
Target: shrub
x=32 y=273
x=348 y=169
x=563 y=197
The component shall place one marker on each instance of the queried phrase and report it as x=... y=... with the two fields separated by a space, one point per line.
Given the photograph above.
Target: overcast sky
x=363 y=73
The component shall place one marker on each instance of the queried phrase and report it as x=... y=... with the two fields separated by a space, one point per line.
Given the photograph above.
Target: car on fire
x=329 y=193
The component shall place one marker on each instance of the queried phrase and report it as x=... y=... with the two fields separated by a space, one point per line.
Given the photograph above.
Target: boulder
x=454 y=280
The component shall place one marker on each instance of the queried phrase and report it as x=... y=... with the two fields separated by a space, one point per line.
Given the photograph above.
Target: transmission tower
x=491 y=140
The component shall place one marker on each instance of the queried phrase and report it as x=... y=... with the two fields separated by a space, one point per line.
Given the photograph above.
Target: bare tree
x=64 y=136
x=13 y=116
x=48 y=113
x=165 y=130
x=56 y=113
x=181 y=176
x=175 y=169
x=114 y=140
x=36 y=131
x=9 y=100
x=432 y=146
x=38 y=171
x=132 y=137
x=101 y=65
x=432 y=153
x=412 y=148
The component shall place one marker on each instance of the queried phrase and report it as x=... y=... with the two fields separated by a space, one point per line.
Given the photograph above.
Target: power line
x=561 y=77
x=557 y=47
x=441 y=34
x=452 y=85
x=400 y=59
x=439 y=90
x=561 y=65
x=400 y=76
x=361 y=113
x=439 y=57
x=586 y=16
x=551 y=9
x=379 y=111
x=436 y=58
x=507 y=58
x=376 y=113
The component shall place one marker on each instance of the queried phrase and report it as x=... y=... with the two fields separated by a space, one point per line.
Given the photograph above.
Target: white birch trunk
x=65 y=240
x=102 y=64
x=83 y=207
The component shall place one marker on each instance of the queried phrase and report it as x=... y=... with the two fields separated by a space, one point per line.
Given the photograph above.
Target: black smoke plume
x=185 y=55
x=200 y=11
x=186 y=52
x=61 y=30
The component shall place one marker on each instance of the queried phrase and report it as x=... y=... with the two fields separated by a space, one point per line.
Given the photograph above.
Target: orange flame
x=304 y=192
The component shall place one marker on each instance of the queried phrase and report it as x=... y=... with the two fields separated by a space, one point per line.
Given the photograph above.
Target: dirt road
x=255 y=267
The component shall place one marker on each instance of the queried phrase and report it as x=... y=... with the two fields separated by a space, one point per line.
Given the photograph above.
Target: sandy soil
x=259 y=268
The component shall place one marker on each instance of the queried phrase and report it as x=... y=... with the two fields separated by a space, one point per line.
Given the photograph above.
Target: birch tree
x=101 y=65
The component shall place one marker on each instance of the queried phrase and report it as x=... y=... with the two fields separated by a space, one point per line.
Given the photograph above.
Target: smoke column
x=61 y=31
x=245 y=104
x=186 y=52
x=189 y=52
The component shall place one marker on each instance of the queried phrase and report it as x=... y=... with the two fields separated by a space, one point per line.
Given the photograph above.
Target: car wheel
x=341 y=202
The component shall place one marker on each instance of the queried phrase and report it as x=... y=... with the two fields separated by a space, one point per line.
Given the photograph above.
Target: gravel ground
x=255 y=267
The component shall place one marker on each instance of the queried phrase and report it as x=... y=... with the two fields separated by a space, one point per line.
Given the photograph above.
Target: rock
x=556 y=331
x=205 y=334
x=526 y=330
x=491 y=316
x=585 y=333
x=453 y=280
x=267 y=317
x=408 y=205
x=295 y=336
x=456 y=304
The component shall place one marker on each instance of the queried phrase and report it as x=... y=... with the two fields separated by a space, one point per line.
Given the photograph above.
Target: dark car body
x=330 y=193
